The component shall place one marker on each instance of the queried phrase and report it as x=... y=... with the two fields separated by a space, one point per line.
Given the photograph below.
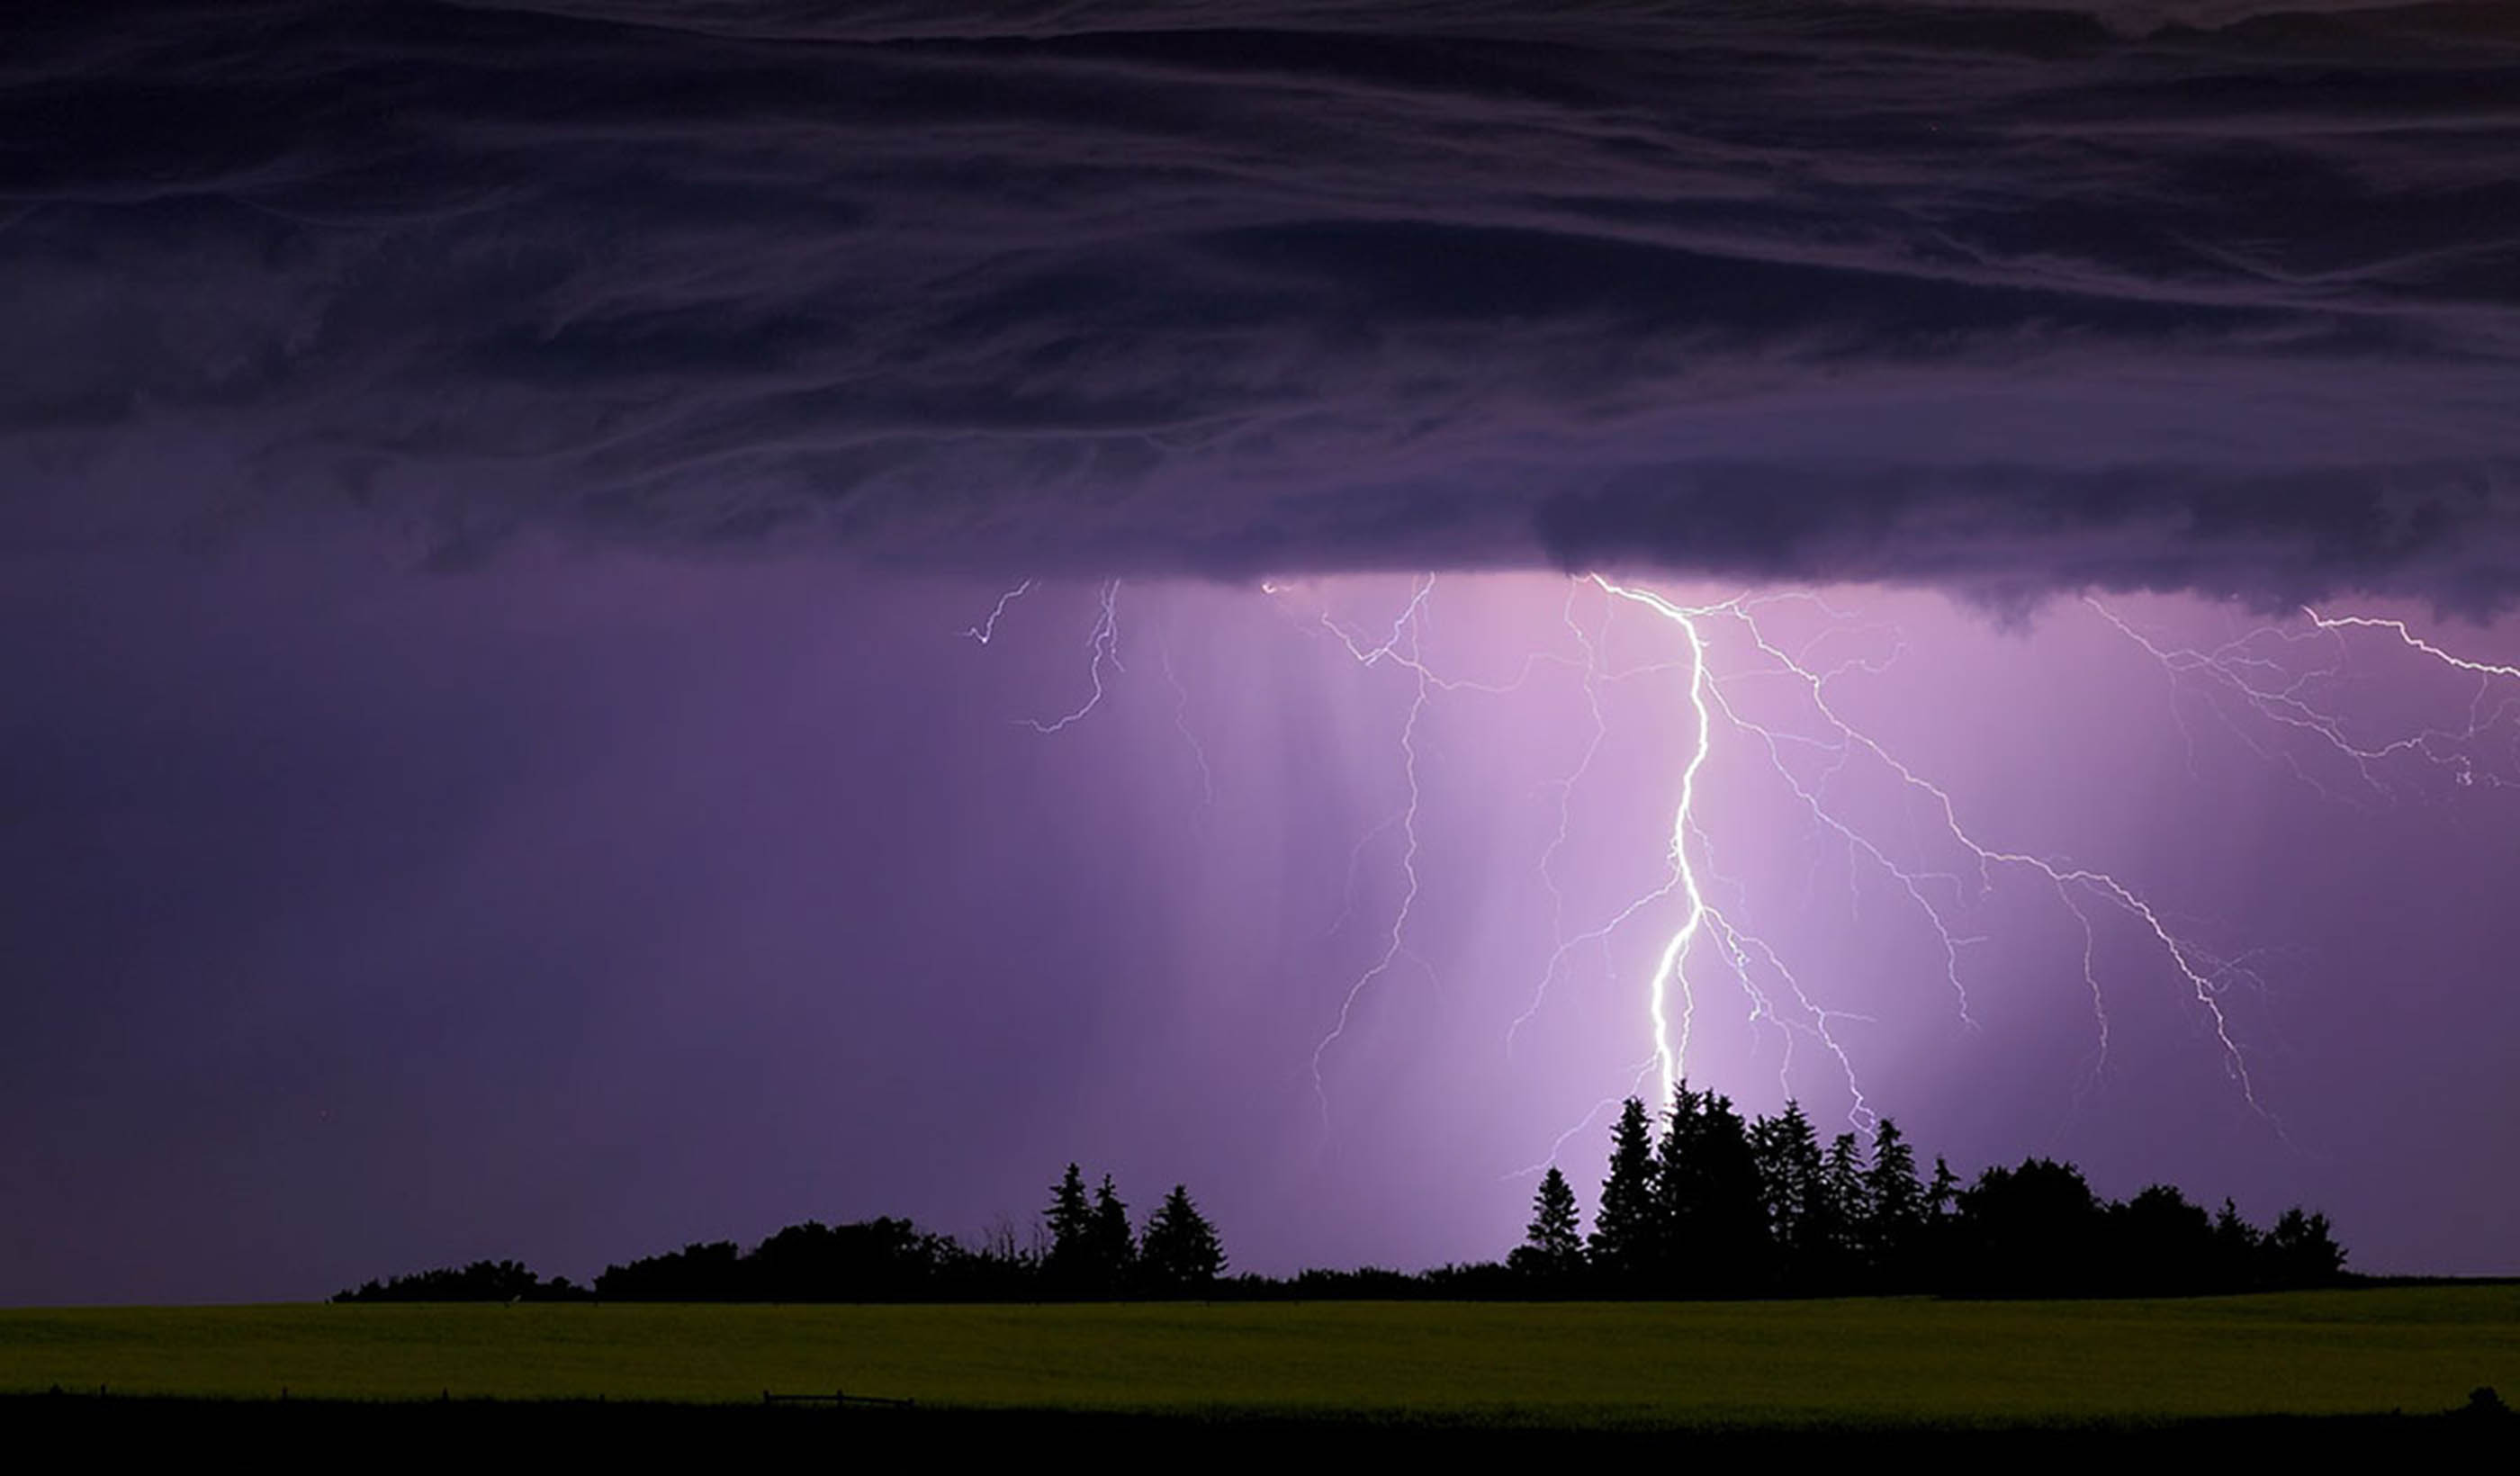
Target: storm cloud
x=2218 y=296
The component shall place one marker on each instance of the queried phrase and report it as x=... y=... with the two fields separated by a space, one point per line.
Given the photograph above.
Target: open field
x=1598 y=1364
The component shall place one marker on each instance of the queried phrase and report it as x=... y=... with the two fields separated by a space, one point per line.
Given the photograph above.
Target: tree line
x=1085 y=1247
x=1713 y=1205
x=1697 y=1202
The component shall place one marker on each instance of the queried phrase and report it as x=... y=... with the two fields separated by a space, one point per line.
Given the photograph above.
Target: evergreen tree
x=1070 y=1221
x=1845 y=1209
x=1895 y=1224
x=1552 y=1246
x=1622 y=1238
x=1940 y=1240
x=1113 y=1247
x=1678 y=1191
x=1180 y=1249
x=1729 y=1232
x=1942 y=1197
x=1791 y=1190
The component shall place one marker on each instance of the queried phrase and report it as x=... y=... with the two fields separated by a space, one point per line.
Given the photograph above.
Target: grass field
x=1871 y=1362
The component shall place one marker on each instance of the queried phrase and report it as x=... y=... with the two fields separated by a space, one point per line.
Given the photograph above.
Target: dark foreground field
x=397 y=1436
x=2319 y=1371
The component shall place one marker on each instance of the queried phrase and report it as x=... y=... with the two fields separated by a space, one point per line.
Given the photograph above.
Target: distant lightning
x=987 y=630
x=2409 y=640
x=1102 y=648
x=2264 y=675
x=1181 y=724
x=1560 y=945
x=1409 y=627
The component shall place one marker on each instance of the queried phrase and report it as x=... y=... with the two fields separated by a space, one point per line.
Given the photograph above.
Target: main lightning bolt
x=2204 y=976
x=2282 y=676
x=1700 y=919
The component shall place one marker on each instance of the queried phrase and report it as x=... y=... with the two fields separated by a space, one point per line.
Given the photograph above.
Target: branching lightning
x=1103 y=647
x=1706 y=933
x=2275 y=685
x=1409 y=628
x=2264 y=675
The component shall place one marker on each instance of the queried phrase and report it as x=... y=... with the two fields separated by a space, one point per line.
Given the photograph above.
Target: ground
x=1870 y=1363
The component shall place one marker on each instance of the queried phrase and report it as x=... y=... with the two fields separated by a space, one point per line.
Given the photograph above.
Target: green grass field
x=1871 y=1362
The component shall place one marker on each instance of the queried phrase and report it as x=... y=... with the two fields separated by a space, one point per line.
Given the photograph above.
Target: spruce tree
x=1179 y=1250
x=1623 y=1226
x=1944 y=1194
x=1789 y=1179
x=1846 y=1208
x=1730 y=1233
x=1938 y=1247
x=1679 y=1187
x=1070 y=1219
x=1113 y=1247
x=1552 y=1246
x=1897 y=1204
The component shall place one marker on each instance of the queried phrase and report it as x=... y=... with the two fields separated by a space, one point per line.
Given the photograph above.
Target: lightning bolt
x=2261 y=675
x=2204 y=977
x=1409 y=627
x=2276 y=686
x=1103 y=647
x=1181 y=724
x=1403 y=647
x=987 y=630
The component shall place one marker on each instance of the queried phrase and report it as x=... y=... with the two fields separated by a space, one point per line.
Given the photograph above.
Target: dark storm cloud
x=2222 y=294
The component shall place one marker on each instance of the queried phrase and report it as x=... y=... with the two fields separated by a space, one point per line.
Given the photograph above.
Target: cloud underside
x=2220 y=296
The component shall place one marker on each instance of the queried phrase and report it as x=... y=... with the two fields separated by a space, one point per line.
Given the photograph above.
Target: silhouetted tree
x=2163 y=1245
x=1728 y=1234
x=1069 y=1258
x=1179 y=1250
x=1623 y=1226
x=1678 y=1195
x=1111 y=1246
x=1894 y=1229
x=2031 y=1230
x=2235 y=1263
x=871 y=1261
x=1941 y=1239
x=701 y=1272
x=1845 y=1209
x=1552 y=1246
x=2301 y=1251
x=1791 y=1190
x=1942 y=1196
x=480 y=1281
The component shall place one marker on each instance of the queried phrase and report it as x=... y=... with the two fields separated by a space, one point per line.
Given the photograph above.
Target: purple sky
x=588 y=904
x=491 y=497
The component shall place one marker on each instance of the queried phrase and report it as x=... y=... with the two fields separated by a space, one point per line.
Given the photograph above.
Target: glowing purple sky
x=579 y=907
x=492 y=493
